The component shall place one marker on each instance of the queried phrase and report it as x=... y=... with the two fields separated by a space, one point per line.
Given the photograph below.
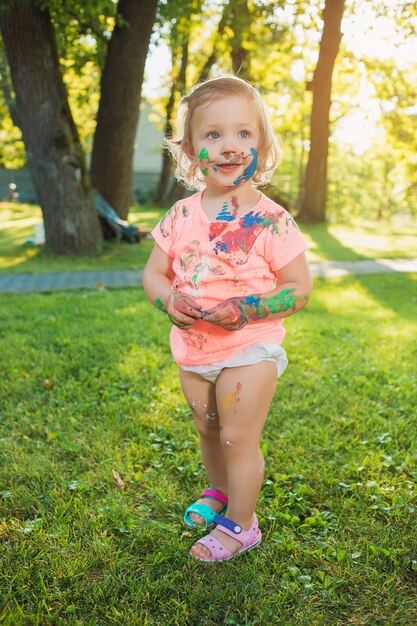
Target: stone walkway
x=24 y=283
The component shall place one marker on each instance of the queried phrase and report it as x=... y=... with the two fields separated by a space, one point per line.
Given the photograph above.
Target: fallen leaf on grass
x=120 y=483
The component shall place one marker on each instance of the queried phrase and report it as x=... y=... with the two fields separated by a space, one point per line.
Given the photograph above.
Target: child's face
x=225 y=135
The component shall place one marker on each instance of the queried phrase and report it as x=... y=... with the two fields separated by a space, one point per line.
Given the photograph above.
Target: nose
x=231 y=153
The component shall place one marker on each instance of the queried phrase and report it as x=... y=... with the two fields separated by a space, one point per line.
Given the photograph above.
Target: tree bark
x=53 y=147
x=178 y=86
x=212 y=59
x=313 y=204
x=118 y=113
x=240 y=24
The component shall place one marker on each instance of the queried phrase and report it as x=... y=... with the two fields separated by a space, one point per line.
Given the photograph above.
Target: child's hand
x=183 y=310
x=232 y=314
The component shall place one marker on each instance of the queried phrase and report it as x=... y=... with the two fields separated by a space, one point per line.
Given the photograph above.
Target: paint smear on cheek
x=232 y=397
x=250 y=170
x=203 y=154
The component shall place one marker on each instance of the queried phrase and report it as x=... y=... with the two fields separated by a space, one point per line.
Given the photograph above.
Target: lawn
x=99 y=458
x=367 y=240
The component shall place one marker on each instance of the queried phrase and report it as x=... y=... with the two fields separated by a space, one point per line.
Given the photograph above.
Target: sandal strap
x=228 y=526
x=215 y=494
x=203 y=511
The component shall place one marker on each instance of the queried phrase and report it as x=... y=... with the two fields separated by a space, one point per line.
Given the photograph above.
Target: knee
x=235 y=441
x=207 y=423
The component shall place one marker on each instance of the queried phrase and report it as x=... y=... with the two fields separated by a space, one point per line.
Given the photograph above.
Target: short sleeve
x=285 y=243
x=164 y=232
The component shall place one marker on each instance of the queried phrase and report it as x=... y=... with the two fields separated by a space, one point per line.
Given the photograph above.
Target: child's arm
x=181 y=309
x=290 y=296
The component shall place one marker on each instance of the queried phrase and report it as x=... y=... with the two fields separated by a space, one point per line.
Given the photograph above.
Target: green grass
x=397 y=238
x=18 y=224
x=89 y=387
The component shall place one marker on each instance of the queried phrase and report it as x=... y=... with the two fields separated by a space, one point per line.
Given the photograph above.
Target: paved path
x=20 y=283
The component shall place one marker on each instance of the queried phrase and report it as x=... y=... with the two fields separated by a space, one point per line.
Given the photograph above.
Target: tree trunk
x=52 y=144
x=240 y=24
x=313 y=204
x=212 y=59
x=118 y=113
x=178 y=85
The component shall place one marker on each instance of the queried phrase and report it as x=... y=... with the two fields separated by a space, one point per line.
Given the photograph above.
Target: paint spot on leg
x=232 y=397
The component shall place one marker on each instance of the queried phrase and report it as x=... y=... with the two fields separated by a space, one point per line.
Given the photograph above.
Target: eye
x=244 y=134
x=213 y=135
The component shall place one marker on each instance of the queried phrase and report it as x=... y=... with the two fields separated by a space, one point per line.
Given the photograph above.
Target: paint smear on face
x=232 y=397
x=203 y=154
x=250 y=170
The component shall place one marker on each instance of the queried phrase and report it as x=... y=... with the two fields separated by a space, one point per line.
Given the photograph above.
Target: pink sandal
x=248 y=539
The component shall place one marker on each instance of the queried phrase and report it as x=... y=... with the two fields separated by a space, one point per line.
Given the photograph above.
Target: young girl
x=228 y=265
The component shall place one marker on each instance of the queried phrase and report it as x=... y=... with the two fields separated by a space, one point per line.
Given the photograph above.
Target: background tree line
x=71 y=76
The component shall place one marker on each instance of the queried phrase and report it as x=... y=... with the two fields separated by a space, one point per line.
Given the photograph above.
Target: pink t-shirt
x=213 y=261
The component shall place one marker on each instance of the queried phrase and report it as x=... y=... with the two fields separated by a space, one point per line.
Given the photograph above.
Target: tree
x=313 y=204
x=53 y=147
x=236 y=18
x=241 y=26
x=118 y=113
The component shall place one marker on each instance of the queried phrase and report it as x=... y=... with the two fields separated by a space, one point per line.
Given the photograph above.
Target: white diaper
x=247 y=356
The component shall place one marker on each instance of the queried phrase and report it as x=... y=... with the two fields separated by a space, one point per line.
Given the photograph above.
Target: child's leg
x=244 y=395
x=201 y=397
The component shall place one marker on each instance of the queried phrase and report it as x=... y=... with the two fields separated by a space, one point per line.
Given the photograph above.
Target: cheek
x=203 y=155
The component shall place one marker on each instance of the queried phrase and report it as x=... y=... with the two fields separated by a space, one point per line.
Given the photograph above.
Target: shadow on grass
x=330 y=246
x=404 y=286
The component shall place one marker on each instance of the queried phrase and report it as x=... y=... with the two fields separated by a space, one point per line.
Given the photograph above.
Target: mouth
x=227 y=167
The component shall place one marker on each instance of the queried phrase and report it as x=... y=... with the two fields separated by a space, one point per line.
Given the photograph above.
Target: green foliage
x=99 y=457
x=282 y=43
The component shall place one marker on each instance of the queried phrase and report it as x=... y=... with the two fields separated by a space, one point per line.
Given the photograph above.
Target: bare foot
x=211 y=504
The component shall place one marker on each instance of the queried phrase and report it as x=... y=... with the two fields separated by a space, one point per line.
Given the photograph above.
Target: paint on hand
x=203 y=154
x=250 y=170
x=232 y=397
x=260 y=308
x=160 y=305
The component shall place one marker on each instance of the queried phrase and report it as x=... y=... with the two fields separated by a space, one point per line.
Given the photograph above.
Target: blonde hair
x=223 y=85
